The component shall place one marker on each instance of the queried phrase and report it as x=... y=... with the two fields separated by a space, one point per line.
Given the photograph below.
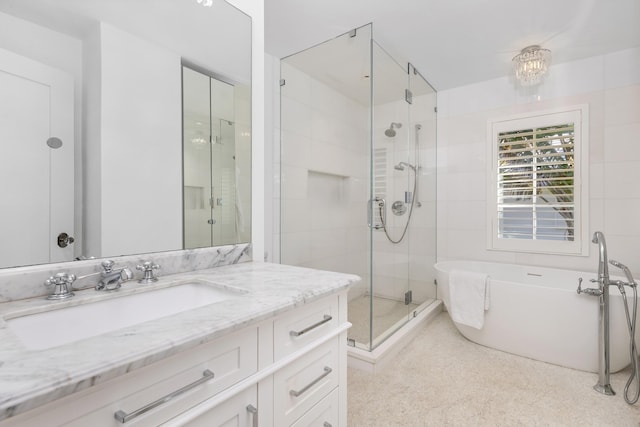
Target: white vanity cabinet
x=225 y=361
x=308 y=379
x=288 y=370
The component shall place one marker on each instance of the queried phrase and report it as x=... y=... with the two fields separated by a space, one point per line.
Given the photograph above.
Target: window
x=538 y=191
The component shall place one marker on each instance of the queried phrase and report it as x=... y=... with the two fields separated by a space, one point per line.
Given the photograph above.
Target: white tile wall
x=323 y=175
x=610 y=85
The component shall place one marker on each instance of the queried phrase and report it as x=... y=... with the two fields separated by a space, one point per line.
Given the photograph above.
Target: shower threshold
x=375 y=360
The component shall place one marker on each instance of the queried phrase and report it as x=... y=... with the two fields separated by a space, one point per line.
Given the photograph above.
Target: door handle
x=379 y=202
x=65 y=240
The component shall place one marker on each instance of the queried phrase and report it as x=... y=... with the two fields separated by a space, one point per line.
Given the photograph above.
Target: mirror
x=214 y=157
x=94 y=126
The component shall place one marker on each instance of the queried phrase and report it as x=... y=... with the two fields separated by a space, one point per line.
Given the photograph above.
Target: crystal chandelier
x=531 y=64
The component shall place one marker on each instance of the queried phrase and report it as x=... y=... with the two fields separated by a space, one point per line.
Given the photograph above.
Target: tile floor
x=442 y=379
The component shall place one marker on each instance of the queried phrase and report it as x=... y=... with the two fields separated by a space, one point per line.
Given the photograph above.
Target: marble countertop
x=30 y=378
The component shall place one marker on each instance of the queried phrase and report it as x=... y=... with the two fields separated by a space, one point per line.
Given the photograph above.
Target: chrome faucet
x=110 y=278
x=602 y=291
x=62 y=286
x=147 y=267
x=604 y=385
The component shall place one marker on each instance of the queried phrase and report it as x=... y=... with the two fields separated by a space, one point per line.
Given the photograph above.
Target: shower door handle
x=380 y=202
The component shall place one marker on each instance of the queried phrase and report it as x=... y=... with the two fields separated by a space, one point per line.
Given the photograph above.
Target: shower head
x=400 y=166
x=391 y=131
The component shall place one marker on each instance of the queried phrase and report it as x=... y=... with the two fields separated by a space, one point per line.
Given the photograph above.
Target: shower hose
x=633 y=351
x=406 y=225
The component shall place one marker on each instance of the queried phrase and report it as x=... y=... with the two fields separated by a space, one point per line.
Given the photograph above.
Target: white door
x=36 y=161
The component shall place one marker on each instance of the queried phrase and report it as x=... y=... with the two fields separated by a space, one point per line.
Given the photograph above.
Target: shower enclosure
x=358 y=178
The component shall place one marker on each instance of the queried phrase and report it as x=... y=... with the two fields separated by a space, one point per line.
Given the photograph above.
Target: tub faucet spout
x=603 y=264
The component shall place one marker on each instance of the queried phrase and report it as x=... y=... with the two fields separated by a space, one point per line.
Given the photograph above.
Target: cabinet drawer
x=303 y=383
x=325 y=414
x=305 y=324
x=240 y=410
x=230 y=359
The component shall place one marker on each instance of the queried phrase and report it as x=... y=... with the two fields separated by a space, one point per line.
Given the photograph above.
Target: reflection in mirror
x=36 y=175
x=215 y=152
x=102 y=82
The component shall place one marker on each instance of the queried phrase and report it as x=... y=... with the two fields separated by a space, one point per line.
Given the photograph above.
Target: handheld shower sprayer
x=625 y=269
x=400 y=166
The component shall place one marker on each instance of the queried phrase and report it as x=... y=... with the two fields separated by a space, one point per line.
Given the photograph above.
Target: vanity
x=129 y=141
x=254 y=344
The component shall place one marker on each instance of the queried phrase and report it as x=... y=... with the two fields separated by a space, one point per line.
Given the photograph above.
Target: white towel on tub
x=469 y=297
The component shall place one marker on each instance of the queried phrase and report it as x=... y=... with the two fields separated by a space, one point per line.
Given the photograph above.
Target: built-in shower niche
x=329 y=203
x=194 y=197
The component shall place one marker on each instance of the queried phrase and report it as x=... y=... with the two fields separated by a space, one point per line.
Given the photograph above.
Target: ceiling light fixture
x=531 y=64
x=205 y=3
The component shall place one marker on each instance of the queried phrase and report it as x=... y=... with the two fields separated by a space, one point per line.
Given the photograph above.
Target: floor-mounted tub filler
x=536 y=312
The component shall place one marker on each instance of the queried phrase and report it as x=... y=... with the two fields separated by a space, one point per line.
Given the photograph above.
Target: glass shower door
x=325 y=116
x=393 y=182
x=422 y=237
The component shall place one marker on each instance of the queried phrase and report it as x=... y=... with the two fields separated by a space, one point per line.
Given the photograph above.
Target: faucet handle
x=107 y=265
x=596 y=292
x=60 y=278
x=147 y=267
x=62 y=286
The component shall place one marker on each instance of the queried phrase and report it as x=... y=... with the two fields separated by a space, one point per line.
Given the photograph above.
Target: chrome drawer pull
x=296 y=393
x=254 y=412
x=123 y=417
x=326 y=319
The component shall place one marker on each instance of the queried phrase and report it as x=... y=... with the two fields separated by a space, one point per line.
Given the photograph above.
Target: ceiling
x=459 y=42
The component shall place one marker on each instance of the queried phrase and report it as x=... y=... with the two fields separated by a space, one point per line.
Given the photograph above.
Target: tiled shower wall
x=610 y=85
x=324 y=176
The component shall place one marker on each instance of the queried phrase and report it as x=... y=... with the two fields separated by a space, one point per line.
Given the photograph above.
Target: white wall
x=272 y=159
x=59 y=51
x=610 y=85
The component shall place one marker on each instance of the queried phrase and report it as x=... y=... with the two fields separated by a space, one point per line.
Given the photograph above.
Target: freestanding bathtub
x=536 y=312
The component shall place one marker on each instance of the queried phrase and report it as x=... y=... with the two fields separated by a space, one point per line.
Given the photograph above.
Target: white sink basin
x=61 y=326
